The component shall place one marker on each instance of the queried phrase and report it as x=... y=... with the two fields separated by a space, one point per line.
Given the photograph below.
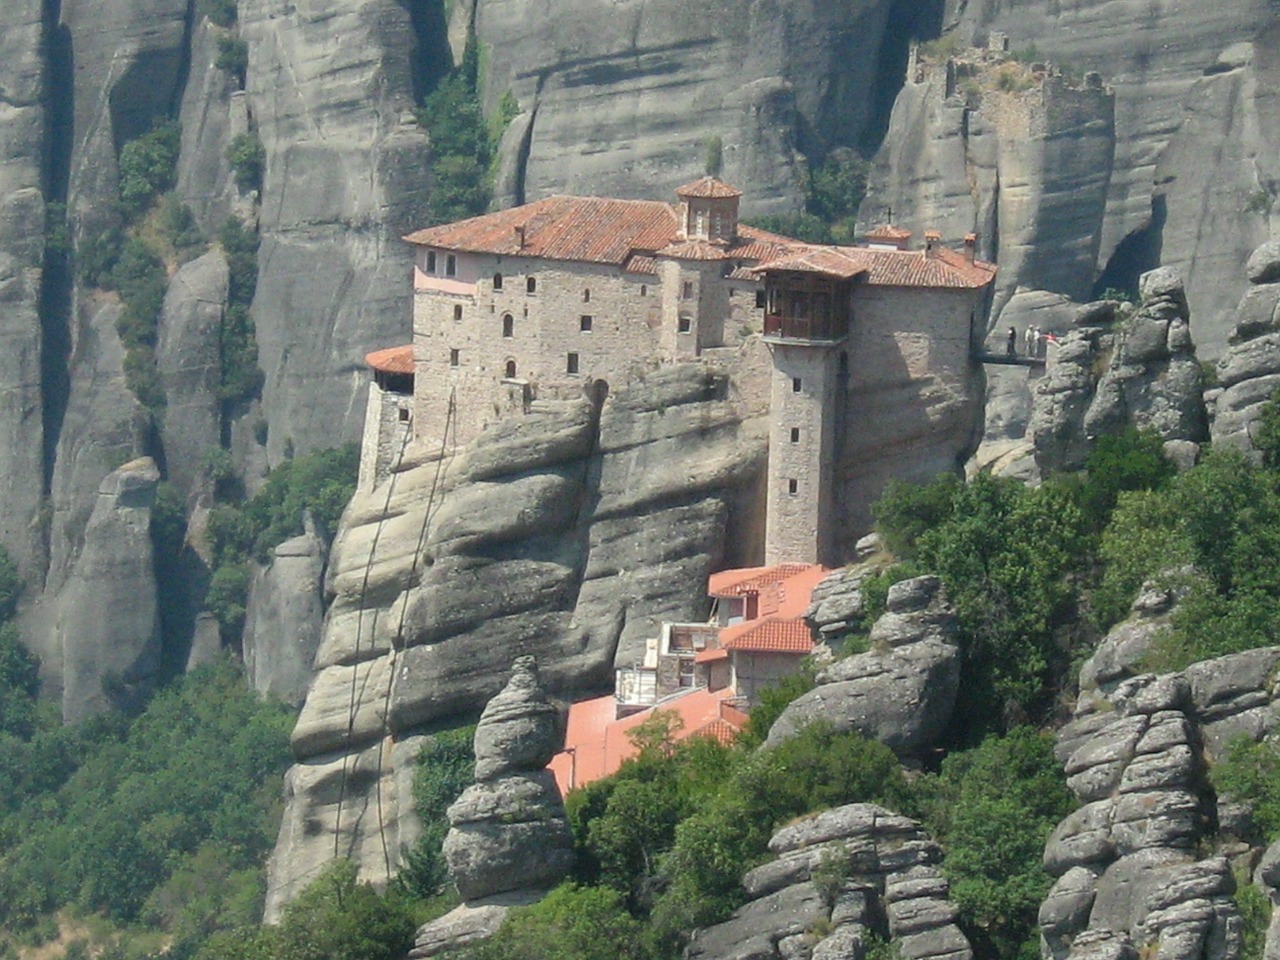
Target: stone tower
x=806 y=326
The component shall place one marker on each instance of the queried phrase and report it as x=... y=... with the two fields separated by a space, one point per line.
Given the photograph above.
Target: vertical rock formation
x=903 y=690
x=618 y=100
x=284 y=617
x=567 y=534
x=1020 y=155
x=1119 y=369
x=347 y=174
x=1249 y=371
x=508 y=830
x=1133 y=873
x=842 y=878
x=107 y=625
x=22 y=219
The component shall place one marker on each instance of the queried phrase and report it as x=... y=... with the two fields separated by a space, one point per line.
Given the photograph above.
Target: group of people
x=1034 y=341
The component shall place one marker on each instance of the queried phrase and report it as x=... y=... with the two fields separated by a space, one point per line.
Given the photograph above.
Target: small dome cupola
x=709 y=210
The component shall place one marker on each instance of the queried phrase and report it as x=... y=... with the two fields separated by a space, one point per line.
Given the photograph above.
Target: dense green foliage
x=233 y=57
x=336 y=918
x=243 y=530
x=221 y=12
x=1251 y=771
x=1255 y=917
x=148 y=165
x=166 y=818
x=240 y=378
x=463 y=142
x=572 y=923
x=992 y=809
x=833 y=191
x=248 y=159
x=445 y=768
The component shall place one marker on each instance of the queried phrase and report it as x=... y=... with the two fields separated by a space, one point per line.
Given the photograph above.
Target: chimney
x=520 y=236
x=932 y=239
x=970 y=246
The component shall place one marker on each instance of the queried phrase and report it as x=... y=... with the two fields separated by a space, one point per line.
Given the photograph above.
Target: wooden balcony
x=821 y=330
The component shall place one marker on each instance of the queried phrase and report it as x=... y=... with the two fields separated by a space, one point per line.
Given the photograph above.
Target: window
x=454 y=357
x=684 y=324
x=497 y=281
x=793 y=486
x=584 y=323
x=644 y=290
x=508 y=325
x=571 y=366
x=431 y=261
x=759 y=299
x=686 y=292
x=511 y=369
x=715 y=224
x=531 y=285
x=795 y=384
x=457 y=311
x=450 y=266
x=404 y=414
x=586 y=296
x=795 y=434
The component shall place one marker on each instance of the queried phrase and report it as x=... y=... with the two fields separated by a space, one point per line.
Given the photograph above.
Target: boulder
x=1263 y=265
x=518 y=729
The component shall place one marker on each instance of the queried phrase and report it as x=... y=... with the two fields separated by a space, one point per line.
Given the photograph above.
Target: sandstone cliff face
x=1119 y=368
x=1181 y=80
x=107 y=624
x=567 y=534
x=621 y=100
x=346 y=176
x=22 y=137
x=890 y=887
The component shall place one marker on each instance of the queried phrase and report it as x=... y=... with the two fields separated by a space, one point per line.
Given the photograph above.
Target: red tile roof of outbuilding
x=392 y=360
x=782 y=635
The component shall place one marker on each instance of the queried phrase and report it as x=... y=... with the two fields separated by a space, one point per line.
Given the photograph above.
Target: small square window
x=759 y=299
x=795 y=434
x=571 y=366
x=793 y=486
x=457 y=311
x=685 y=324
x=584 y=323
x=431 y=261
x=796 y=385
x=450 y=265
x=404 y=414
x=454 y=357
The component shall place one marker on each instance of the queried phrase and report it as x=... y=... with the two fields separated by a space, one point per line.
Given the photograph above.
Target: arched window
x=531 y=285
x=511 y=369
x=497 y=281
x=508 y=325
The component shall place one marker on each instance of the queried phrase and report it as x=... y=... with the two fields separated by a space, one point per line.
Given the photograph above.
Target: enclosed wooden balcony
x=806 y=308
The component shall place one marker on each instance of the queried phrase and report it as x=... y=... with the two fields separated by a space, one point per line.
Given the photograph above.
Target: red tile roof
x=887 y=231
x=641 y=264
x=944 y=268
x=774 y=635
x=392 y=360
x=708 y=188
x=737 y=583
x=711 y=655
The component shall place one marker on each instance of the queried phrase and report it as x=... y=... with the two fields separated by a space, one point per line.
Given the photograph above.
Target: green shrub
x=98 y=255
x=57 y=232
x=148 y=165
x=1131 y=460
x=992 y=808
x=713 y=156
x=800 y=226
x=228 y=596
x=221 y=12
x=571 y=923
x=233 y=57
x=10 y=586
x=1255 y=917
x=905 y=511
x=248 y=159
x=772 y=700
x=240 y=377
x=19 y=685
x=446 y=767
x=1250 y=773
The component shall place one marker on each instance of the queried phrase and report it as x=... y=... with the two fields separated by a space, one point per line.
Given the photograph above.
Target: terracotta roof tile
x=945 y=269
x=887 y=231
x=392 y=360
x=694 y=250
x=711 y=655
x=736 y=583
x=589 y=229
x=641 y=264
x=720 y=730
x=708 y=188
x=774 y=635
